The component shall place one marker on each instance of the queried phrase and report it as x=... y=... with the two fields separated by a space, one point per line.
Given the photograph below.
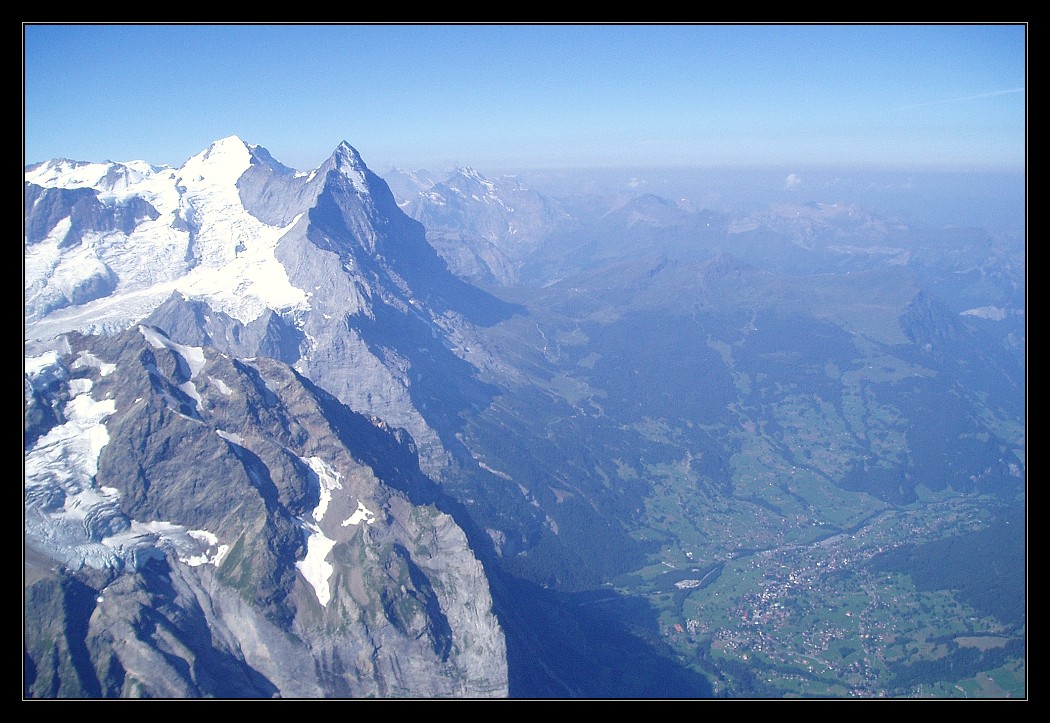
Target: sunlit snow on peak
x=204 y=244
x=236 y=269
x=222 y=163
x=349 y=164
x=114 y=182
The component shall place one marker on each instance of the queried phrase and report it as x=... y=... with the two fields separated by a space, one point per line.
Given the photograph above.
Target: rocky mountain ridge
x=671 y=390
x=484 y=228
x=209 y=526
x=321 y=270
x=221 y=363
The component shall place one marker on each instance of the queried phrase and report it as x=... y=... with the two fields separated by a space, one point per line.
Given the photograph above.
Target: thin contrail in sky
x=992 y=94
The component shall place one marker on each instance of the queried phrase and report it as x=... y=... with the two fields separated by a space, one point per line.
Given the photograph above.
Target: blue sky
x=503 y=97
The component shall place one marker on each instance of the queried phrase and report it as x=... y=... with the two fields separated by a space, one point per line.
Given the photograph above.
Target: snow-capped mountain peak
x=248 y=327
x=228 y=146
x=90 y=267
x=113 y=182
x=348 y=162
x=235 y=250
x=220 y=165
x=471 y=172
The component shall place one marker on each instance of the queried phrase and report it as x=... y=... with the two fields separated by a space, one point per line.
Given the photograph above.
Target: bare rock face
x=483 y=228
x=320 y=270
x=202 y=525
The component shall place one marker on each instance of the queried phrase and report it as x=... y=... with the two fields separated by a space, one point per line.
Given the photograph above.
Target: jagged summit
x=347 y=151
x=209 y=352
x=228 y=144
x=213 y=230
x=108 y=178
x=260 y=259
x=346 y=161
x=261 y=156
x=484 y=228
x=472 y=173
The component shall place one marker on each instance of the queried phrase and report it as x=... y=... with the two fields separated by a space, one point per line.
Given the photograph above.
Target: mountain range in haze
x=298 y=434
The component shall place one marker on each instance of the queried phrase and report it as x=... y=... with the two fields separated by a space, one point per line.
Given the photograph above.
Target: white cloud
x=792 y=181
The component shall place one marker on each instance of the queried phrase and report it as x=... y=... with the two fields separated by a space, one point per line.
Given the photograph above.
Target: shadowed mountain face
x=277 y=440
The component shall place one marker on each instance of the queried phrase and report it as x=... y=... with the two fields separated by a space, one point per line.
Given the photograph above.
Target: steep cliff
x=202 y=525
